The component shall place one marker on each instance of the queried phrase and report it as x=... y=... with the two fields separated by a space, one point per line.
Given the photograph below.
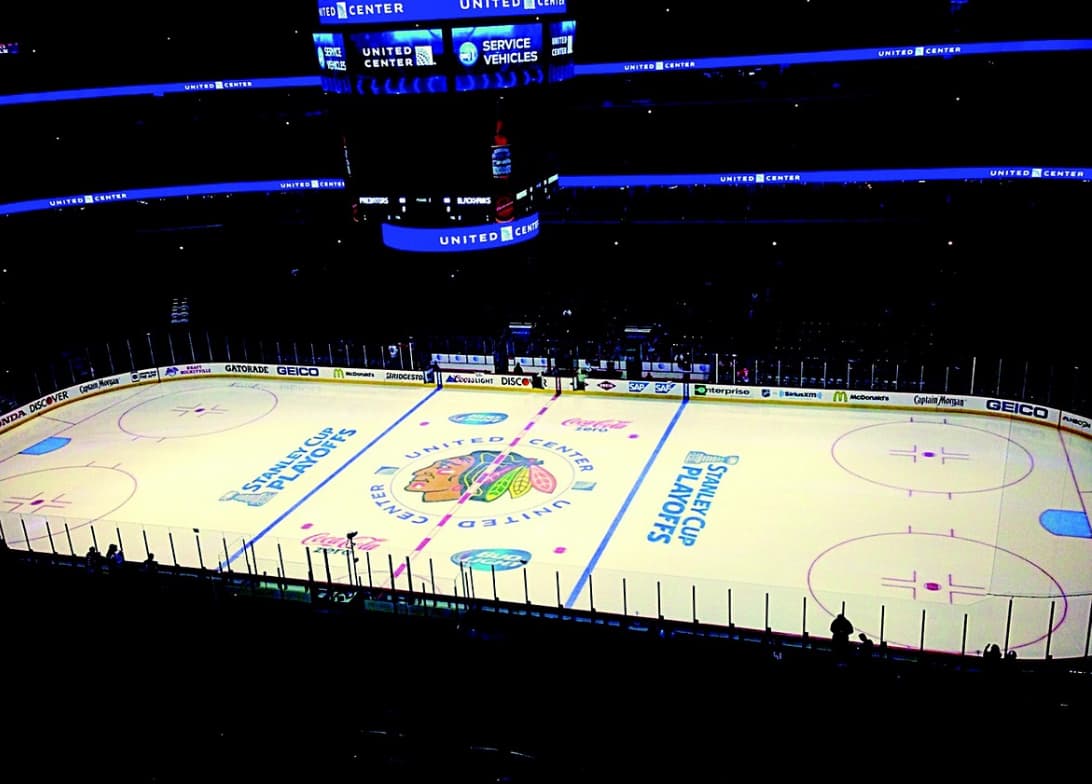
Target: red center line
x=466 y=496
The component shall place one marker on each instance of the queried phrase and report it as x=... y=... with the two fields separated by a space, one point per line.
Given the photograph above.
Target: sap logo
x=311 y=372
x=638 y=386
x=1023 y=409
x=509 y=381
x=663 y=387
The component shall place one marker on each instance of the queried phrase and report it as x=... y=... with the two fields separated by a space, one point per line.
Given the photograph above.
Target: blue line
x=326 y=481
x=625 y=504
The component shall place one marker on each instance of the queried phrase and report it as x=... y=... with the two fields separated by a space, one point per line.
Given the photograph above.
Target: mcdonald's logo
x=841 y=396
x=339 y=373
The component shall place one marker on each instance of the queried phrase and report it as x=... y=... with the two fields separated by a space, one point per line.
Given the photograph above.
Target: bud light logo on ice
x=499 y=560
x=280 y=475
x=684 y=514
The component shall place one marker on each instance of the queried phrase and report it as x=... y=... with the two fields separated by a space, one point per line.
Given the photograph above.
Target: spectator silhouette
x=867 y=645
x=93 y=560
x=114 y=558
x=840 y=629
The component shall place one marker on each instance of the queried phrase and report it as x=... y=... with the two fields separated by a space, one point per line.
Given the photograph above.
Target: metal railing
x=1039 y=627
x=1027 y=380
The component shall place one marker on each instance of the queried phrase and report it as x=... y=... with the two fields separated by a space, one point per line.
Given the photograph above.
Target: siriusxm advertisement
x=459 y=239
x=395 y=62
x=562 y=54
x=498 y=56
x=361 y=13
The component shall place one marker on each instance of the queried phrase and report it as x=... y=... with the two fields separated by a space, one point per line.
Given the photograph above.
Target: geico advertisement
x=286 y=371
x=1030 y=411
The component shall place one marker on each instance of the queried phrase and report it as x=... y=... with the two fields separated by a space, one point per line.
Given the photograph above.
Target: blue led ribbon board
x=460 y=239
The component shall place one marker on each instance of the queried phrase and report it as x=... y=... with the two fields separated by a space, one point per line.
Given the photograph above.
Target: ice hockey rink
x=943 y=531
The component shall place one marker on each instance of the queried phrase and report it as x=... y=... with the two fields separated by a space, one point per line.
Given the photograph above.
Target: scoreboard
x=469 y=162
x=419 y=46
x=332 y=12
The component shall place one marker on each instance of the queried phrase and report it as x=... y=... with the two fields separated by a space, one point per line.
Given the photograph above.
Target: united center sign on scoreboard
x=361 y=13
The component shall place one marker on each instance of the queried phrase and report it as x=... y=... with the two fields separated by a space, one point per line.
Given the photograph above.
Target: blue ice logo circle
x=495 y=559
x=478 y=418
x=468 y=53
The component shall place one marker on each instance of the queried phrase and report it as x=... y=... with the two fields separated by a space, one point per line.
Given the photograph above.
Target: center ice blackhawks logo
x=482 y=475
x=529 y=483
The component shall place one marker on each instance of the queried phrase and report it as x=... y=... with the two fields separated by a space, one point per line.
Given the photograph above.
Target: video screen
x=333 y=63
x=398 y=62
x=330 y=49
x=354 y=12
x=498 y=57
x=562 y=55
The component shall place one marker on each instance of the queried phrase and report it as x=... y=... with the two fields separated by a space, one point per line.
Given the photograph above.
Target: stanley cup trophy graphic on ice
x=701 y=458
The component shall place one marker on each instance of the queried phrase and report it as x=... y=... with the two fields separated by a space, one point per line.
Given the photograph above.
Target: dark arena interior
x=896 y=187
